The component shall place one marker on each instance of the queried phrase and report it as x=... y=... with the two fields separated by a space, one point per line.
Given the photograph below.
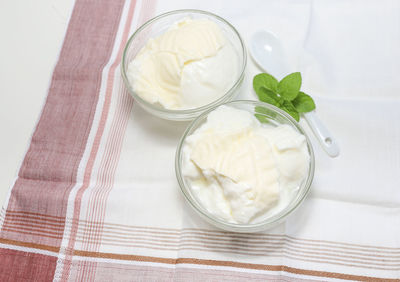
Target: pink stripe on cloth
x=95 y=148
x=49 y=169
x=98 y=199
x=109 y=164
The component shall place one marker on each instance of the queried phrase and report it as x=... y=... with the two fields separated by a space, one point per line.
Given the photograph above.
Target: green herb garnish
x=284 y=94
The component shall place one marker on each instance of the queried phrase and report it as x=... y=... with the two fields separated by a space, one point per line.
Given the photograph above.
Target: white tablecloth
x=349 y=56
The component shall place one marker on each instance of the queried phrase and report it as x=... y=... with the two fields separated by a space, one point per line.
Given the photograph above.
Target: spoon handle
x=325 y=138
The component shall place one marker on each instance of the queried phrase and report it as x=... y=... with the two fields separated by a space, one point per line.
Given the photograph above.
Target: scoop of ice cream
x=239 y=168
x=190 y=65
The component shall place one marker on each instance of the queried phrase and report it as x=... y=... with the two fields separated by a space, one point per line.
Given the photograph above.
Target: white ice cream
x=241 y=170
x=190 y=65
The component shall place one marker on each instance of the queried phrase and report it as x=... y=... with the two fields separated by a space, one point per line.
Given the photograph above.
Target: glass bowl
x=158 y=26
x=264 y=112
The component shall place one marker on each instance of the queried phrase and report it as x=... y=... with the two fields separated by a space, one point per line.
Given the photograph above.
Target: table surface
x=32 y=35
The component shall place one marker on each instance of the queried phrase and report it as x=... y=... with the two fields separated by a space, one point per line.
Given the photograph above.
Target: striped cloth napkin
x=96 y=196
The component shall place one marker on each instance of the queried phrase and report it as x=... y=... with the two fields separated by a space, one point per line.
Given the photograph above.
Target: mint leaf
x=265 y=80
x=289 y=86
x=262 y=118
x=267 y=96
x=303 y=103
x=288 y=107
x=264 y=111
x=264 y=114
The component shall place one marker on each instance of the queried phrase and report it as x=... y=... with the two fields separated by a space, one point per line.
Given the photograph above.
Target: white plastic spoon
x=267 y=51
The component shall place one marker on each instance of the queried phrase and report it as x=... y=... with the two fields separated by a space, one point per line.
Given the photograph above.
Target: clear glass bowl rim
x=188 y=111
x=269 y=222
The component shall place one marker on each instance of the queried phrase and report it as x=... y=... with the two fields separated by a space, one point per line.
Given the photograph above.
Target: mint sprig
x=284 y=94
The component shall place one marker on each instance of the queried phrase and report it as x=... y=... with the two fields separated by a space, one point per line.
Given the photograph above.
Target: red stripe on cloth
x=49 y=169
x=105 y=181
x=24 y=266
x=93 y=153
x=110 y=159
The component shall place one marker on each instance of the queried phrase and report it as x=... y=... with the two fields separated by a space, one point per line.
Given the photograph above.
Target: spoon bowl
x=268 y=53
